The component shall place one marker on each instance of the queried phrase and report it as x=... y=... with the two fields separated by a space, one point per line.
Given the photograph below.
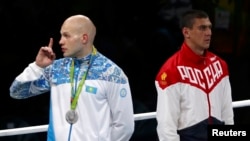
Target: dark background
x=138 y=35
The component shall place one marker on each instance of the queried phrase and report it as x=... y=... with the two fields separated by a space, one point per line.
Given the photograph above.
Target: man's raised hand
x=45 y=55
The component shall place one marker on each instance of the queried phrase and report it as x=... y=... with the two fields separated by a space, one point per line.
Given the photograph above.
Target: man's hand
x=45 y=55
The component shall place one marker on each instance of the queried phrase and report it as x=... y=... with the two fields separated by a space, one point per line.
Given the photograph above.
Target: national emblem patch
x=91 y=89
x=163 y=78
x=123 y=92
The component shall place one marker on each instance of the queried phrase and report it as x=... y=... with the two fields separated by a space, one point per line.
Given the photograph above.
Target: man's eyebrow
x=205 y=26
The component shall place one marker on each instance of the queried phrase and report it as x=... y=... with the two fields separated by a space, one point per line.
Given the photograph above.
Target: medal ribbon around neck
x=79 y=88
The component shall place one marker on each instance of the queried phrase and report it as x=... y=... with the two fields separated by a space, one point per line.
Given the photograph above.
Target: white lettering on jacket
x=209 y=75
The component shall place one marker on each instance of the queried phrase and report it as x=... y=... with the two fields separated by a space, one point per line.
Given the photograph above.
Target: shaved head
x=80 y=24
x=77 y=36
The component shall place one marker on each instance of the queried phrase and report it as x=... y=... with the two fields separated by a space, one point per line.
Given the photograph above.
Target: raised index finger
x=50 y=45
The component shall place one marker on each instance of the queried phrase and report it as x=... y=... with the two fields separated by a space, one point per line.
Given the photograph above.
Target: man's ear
x=185 y=32
x=84 y=38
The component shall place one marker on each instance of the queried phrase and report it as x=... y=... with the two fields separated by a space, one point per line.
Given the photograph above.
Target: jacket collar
x=190 y=55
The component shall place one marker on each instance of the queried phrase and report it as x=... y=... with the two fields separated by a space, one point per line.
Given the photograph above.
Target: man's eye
x=203 y=27
x=65 y=35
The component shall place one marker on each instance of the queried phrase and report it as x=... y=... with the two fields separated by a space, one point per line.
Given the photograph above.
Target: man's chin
x=207 y=46
x=66 y=55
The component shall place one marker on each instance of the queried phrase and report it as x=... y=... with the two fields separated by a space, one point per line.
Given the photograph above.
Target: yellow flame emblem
x=163 y=79
x=164 y=76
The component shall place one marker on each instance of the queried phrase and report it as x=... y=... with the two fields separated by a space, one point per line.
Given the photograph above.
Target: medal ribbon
x=79 y=88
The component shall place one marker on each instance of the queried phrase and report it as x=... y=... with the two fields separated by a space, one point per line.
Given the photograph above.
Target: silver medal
x=71 y=116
